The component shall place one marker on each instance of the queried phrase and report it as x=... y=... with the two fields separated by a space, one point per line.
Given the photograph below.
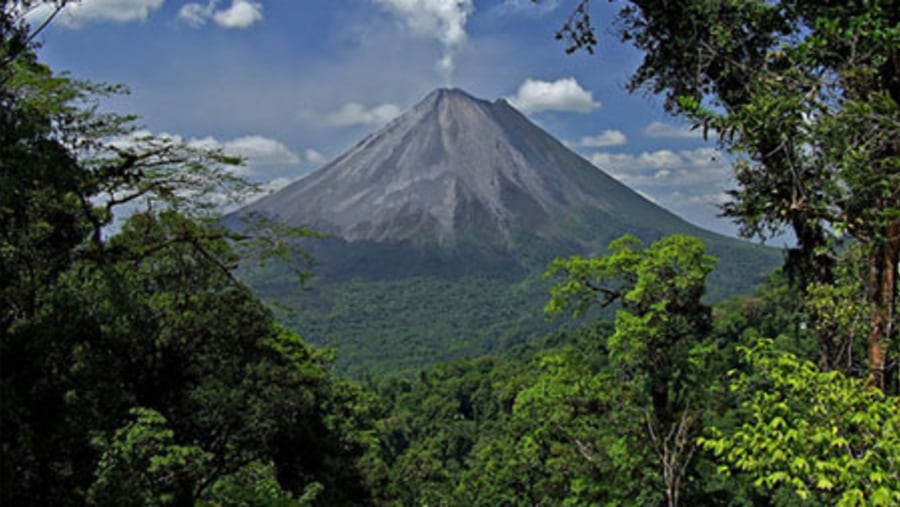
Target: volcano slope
x=441 y=224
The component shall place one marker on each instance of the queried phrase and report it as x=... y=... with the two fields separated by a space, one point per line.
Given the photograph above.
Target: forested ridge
x=137 y=369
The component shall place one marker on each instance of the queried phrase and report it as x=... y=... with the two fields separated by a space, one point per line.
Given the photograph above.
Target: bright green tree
x=658 y=353
x=826 y=437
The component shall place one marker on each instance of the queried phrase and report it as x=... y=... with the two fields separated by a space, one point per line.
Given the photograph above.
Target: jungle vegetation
x=137 y=369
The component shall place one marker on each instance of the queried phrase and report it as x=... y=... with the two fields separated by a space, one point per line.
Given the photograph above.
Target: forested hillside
x=137 y=369
x=441 y=225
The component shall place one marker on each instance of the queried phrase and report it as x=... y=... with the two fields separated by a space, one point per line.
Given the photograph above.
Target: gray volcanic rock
x=453 y=164
x=459 y=185
x=444 y=221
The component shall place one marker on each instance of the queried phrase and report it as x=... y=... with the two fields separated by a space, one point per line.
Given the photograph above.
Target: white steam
x=443 y=20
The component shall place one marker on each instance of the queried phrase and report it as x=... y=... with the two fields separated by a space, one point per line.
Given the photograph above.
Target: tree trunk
x=884 y=288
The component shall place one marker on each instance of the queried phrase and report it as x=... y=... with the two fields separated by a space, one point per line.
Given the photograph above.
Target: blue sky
x=290 y=84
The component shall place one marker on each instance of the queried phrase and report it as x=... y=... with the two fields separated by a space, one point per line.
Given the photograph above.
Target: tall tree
x=657 y=353
x=806 y=94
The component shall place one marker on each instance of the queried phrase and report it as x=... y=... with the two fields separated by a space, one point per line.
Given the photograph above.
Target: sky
x=291 y=84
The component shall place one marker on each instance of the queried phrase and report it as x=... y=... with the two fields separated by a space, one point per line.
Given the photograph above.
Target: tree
x=142 y=466
x=657 y=353
x=824 y=436
x=806 y=93
x=134 y=367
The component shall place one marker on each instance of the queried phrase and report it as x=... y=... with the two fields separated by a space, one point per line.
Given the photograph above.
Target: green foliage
x=825 y=436
x=583 y=277
x=384 y=306
x=388 y=326
x=659 y=289
x=569 y=441
x=448 y=436
x=142 y=465
x=581 y=418
x=840 y=314
x=807 y=95
x=134 y=368
x=256 y=485
x=432 y=424
x=566 y=421
x=658 y=355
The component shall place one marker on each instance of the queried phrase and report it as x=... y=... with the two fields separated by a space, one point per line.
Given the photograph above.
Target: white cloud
x=354 y=113
x=692 y=172
x=626 y=162
x=527 y=7
x=196 y=14
x=443 y=20
x=314 y=157
x=79 y=14
x=561 y=95
x=241 y=13
x=604 y=139
x=659 y=129
x=689 y=182
x=266 y=161
x=660 y=159
x=704 y=157
x=259 y=153
x=712 y=199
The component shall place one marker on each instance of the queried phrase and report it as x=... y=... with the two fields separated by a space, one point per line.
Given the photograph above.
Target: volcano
x=462 y=190
x=458 y=166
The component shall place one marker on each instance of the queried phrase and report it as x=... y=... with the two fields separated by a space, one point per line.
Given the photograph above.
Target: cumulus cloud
x=689 y=182
x=604 y=139
x=527 y=7
x=314 y=157
x=259 y=153
x=662 y=130
x=627 y=164
x=664 y=173
x=561 y=95
x=240 y=14
x=196 y=14
x=678 y=180
x=705 y=157
x=443 y=20
x=354 y=113
x=79 y=14
x=267 y=162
